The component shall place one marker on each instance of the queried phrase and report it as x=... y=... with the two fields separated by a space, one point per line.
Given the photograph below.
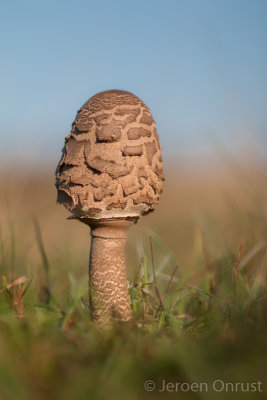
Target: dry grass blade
x=137 y=275
x=16 y=293
x=27 y=287
x=44 y=291
x=246 y=280
x=16 y=282
x=245 y=259
x=147 y=293
x=154 y=277
x=171 y=279
x=41 y=245
x=17 y=301
x=237 y=265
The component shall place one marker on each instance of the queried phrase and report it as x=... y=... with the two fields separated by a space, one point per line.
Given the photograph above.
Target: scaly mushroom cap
x=111 y=164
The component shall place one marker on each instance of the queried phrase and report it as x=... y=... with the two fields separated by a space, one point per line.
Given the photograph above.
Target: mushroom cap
x=111 y=165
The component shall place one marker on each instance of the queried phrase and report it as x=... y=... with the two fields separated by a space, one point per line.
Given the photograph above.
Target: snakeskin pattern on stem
x=108 y=289
x=107 y=280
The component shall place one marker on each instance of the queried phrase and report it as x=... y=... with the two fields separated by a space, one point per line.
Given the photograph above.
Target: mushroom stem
x=108 y=289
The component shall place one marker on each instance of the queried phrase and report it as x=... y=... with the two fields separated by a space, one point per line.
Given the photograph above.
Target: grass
x=197 y=282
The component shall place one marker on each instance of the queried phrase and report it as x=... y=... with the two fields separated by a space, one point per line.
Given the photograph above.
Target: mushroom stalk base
x=108 y=289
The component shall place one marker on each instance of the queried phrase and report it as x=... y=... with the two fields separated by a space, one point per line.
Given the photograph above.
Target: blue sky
x=199 y=65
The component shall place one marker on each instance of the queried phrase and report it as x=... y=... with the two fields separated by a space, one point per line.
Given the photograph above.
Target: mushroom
x=110 y=174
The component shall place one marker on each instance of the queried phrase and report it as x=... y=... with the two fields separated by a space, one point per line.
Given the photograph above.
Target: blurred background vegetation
x=204 y=320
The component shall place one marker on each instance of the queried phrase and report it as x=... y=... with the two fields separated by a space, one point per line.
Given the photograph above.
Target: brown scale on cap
x=111 y=164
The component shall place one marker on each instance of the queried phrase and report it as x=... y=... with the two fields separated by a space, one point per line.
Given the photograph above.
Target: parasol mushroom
x=110 y=174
